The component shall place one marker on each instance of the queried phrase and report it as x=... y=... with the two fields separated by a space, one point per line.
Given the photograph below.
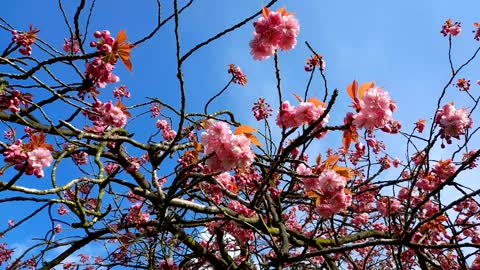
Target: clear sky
x=396 y=43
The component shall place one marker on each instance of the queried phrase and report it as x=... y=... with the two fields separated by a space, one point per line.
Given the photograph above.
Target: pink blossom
x=62 y=210
x=25 y=39
x=360 y=219
x=229 y=150
x=80 y=157
x=167 y=132
x=420 y=125
x=331 y=183
x=238 y=76
x=452 y=122
x=121 y=91
x=71 y=45
x=276 y=30
x=107 y=115
x=58 y=228
x=451 y=28
x=304 y=113
x=5 y=253
x=38 y=159
x=241 y=209
x=100 y=72
x=376 y=109
x=136 y=215
x=261 y=110
x=387 y=205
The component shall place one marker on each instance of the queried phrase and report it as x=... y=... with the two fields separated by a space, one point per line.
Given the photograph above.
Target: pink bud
x=97 y=34
x=109 y=40
x=93 y=44
x=105 y=33
x=106 y=48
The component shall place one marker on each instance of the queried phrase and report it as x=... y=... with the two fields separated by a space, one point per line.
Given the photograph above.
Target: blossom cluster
x=261 y=109
x=32 y=159
x=328 y=188
x=305 y=113
x=452 y=122
x=107 y=115
x=451 y=28
x=228 y=150
x=238 y=76
x=167 y=132
x=99 y=70
x=274 y=30
x=13 y=100
x=71 y=45
x=25 y=39
x=374 y=109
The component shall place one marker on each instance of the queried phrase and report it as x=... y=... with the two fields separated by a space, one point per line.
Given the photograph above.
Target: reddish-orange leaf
x=316 y=195
x=283 y=11
x=265 y=11
x=331 y=161
x=347 y=191
x=347 y=139
x=299 y=98
x=123 y=108
x=365 y=87
x=38 y=141
x=476 y=24
x=121 y=37
x=122 y=49
x=232 y=187
x=316 y=101
x=319 y=159
x=244 y=129
x=343 y=171
x=352 y=89
x=253 y=139
x=198 y=146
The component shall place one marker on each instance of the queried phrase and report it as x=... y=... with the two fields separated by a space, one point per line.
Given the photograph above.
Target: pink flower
x=38 y=159
x=108 y=115
x=305 y=113
x=167 y=132
x=463 y=84
x=452 y=122
x=376 y=109
x=25 y=39
x=360 y=219
x=420 y=125
x=100 y=72
x=229 y=150
x=331 y=183
x=62 y=210
x=274 y=30
x=121 y=91
x=136 y=215
x=71 y=45
x=238 y=76
x=58 y=228
x=261 y=110
x=451 y=28
x=5 y=253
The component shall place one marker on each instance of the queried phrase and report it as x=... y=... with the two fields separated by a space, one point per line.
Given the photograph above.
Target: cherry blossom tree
x=201 y=190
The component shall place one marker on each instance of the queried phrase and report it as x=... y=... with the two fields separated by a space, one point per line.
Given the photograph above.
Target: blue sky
x=395 y=43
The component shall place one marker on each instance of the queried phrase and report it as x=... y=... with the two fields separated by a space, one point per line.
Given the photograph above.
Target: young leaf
x=244 y=129
x=299 y=98
x=352 y=89
x=365 y=87
x=316 y=101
